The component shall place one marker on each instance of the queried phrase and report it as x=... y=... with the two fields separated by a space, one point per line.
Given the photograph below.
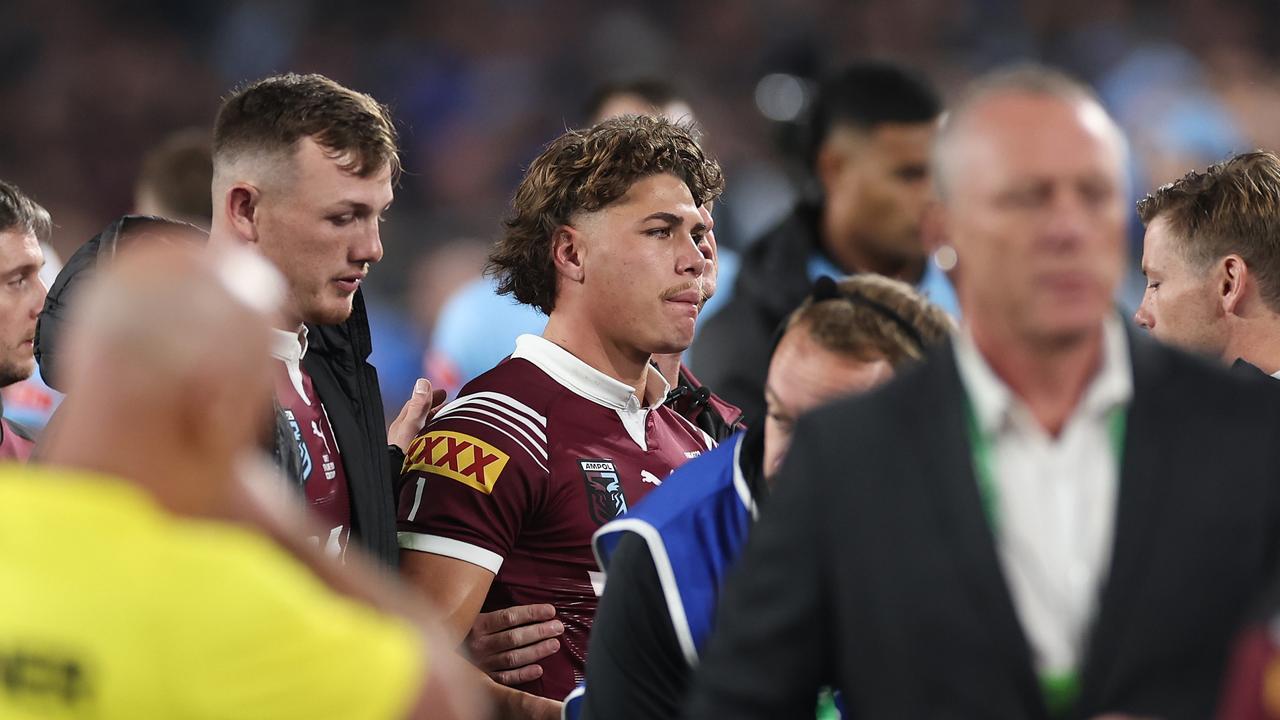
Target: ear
x=568 y=252
x=240 y=204
x=1233 y=277
x=829 y=163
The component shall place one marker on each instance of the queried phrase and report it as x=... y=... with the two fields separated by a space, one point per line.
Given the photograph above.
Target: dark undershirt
x=633 y=630
x=635 y=667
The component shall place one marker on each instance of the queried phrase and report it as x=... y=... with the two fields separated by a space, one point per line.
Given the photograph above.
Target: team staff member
x=302 y=171
x=161 y=591
x=1211 y=256
x=1026 y=525
x=503 y=491
x=664 y=575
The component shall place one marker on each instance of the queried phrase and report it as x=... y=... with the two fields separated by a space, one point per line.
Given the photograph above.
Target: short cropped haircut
x=873 y=318
x=867 y=94
x=585 y=171
x=1232 y=207
x=653 y=91
x=271 y=115
x=21 y=214
x=177 y=173
x=1020 y=79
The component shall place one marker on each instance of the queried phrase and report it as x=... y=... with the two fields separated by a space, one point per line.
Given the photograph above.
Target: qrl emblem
x=605 y=500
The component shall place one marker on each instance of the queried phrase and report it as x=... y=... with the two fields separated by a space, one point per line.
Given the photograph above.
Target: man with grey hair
x=23 y=226
x=1089 y=514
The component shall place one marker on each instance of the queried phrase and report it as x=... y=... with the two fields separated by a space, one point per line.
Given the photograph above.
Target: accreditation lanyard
x=1060 y=690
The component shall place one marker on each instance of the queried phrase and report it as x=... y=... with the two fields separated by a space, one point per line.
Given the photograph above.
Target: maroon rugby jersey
x=323 y=476
x=13 y=445
x=518 y=473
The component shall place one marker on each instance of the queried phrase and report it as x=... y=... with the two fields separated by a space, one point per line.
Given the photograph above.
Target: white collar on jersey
x=289 y=347
x=565 y=368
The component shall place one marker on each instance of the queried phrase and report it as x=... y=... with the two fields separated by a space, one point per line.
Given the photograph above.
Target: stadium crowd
x=917 y=452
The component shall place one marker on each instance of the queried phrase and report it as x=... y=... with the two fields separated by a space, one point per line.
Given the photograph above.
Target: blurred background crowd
x=477 y=88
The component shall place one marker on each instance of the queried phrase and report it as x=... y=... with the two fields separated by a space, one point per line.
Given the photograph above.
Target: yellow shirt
x=111 y=608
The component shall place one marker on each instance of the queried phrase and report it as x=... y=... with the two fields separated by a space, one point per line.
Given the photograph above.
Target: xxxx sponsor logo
x=460 y=457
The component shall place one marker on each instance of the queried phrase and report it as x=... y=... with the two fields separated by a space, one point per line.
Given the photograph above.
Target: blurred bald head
x=965 y=117
x=174 y=339
x=1031 y=174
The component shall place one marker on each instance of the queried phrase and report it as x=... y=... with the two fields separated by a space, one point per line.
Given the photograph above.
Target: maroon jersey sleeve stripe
x=460 y=419
x=527 y=415
x=534 y=437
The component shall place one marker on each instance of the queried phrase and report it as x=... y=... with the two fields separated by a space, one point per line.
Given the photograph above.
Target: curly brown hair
x=272 y=114
x=584 y=171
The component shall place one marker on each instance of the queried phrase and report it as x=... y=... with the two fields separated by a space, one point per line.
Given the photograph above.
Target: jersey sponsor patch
x=604 y=490
x=469 y=460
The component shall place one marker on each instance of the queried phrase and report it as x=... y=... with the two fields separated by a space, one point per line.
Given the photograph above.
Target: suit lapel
x=959 y=510
x=1138 y=505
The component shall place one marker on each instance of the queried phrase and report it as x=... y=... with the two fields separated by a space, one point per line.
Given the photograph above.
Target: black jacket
x=732 y=351
x=337 y=361
x=874 y=568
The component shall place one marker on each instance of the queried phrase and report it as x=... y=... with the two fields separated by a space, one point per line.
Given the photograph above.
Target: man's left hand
x=414 y=415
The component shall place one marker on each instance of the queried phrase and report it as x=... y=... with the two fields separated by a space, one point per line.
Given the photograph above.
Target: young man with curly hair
x=503 y=490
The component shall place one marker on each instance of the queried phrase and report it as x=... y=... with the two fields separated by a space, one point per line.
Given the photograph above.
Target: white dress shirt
x=1055 y=498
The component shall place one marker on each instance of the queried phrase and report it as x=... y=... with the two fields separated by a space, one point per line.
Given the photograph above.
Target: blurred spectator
x=641 y=96
x=869 y=149
x=176 y=178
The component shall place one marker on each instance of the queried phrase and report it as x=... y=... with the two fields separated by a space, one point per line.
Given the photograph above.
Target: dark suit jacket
x=1246 y=369
x=874 y=569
